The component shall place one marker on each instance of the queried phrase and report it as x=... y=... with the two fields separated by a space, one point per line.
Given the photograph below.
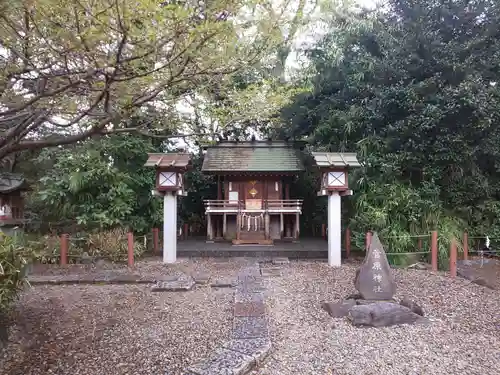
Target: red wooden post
x=368 y=240
x=466 y=245
x=453 y=258
x=419 y=244
x=186 y=228
x=323 y=230
x=130 y=241
x=434 y=250
x=64 y=249
x=155 y=240
x=347 y=242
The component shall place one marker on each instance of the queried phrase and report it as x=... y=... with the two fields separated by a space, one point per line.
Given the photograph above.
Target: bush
x=112 y=245
x=13 y=264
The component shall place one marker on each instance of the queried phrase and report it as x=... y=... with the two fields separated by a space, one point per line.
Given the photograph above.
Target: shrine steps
x=253 y=242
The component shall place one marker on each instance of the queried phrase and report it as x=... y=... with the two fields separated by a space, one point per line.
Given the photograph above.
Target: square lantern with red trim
x=170 y=169
x=334 y=168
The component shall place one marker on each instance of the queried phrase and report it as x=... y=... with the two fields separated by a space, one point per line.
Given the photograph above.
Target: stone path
x=249 y=343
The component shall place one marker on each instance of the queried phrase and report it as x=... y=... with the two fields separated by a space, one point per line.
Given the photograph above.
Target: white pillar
x=334 y=230
x=170 y=227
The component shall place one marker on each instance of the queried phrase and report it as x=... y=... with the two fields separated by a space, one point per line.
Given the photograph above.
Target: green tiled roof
x=257 y=156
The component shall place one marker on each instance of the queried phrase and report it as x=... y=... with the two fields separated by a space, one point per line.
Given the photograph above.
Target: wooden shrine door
x=254 y=193
x=252 y=223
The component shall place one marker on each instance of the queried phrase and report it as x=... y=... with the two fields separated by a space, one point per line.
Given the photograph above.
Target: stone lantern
x=170 y=169
x=334 y=184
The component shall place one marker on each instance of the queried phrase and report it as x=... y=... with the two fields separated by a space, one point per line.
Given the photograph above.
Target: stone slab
x=201 y=278
x=248 y=278
x=250 y=271
x=223 y=283
x=272 y=271
x=250 y=328
x=281 y=261
x=223 y=361
x=258 y=349
x=172 y=286
x=256 y=286
x=53 y=279
x=166 y=278
x=249 y=309
x=246 y=297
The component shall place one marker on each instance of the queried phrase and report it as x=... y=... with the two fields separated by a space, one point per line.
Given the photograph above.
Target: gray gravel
x=120 y=329
x=463 y=338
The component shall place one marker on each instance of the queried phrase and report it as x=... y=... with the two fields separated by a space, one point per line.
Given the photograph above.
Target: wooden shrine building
x=12 y=188
x=253 y=204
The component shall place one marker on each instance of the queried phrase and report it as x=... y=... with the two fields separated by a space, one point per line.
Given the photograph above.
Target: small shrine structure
x=12 y=189
x=253 y=204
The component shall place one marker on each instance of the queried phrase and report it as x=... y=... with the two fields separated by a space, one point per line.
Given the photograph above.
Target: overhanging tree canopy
x=75 y=68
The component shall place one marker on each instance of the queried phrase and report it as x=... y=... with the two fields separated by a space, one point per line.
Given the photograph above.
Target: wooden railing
x=283 y=205
x=222 y=206
x=270 y=205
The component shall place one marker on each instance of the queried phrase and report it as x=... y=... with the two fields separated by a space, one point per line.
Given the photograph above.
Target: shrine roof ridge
x=255 y=143
x=10 y=182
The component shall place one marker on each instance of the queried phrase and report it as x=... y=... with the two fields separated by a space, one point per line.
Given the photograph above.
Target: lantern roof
x=335 y=159
x=169 y=160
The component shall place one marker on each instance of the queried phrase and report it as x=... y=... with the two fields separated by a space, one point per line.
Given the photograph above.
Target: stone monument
x=374 y=280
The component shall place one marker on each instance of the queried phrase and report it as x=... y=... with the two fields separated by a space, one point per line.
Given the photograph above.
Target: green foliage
x=200 y=187
x=412 y=89
x=99 y=184
x=13 y=261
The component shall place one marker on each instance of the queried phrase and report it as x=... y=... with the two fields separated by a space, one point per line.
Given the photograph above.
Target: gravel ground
x=463 y=337
x=119 y=329
x=216 y=267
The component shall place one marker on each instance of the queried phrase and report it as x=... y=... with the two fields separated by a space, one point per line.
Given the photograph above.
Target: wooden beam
x=224 y=225
x=282 y=226
x=266 y=226
x=297 y=226
x=209 y=227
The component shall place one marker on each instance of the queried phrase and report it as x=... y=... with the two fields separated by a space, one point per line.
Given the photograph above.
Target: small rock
x=418 y=266
x=413 y=306
x=338 y=309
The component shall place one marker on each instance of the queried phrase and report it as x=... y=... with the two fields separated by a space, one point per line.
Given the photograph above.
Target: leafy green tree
x=413 y=89
x=99 y=184
x=74 y=69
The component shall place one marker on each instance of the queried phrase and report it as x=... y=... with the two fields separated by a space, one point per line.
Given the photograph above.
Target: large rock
x=412 y=305
x=338 y=309
x=374 y=279
x=383 y=314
